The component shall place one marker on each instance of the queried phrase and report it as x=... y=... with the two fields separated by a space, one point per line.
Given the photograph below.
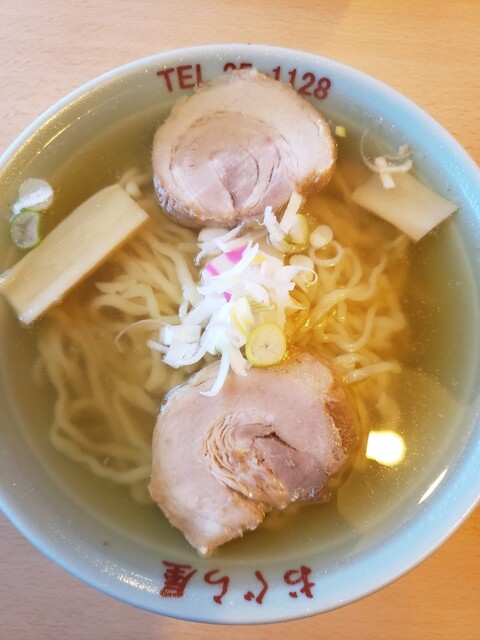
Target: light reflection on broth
x=432 y=353
x=385 y=447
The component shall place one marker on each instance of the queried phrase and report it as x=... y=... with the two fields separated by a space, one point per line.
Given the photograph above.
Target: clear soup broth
x=431 y=390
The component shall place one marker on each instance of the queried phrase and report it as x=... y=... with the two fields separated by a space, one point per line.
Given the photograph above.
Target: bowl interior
x=359 y=541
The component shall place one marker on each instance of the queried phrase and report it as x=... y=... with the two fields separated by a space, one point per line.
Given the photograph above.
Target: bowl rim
x=444 y=511
x=236 y=48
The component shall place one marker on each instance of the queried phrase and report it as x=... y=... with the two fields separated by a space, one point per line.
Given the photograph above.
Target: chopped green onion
x=290 y=212
x=266 y=345
x=34 y=194
x=24 y=229
x=299 y=231
x=241 y=315
x=321 y=236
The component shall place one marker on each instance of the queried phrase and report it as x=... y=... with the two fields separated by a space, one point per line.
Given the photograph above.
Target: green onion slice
x=24 y=229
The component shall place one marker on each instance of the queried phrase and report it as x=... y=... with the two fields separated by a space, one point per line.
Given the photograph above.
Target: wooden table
x=428 y=50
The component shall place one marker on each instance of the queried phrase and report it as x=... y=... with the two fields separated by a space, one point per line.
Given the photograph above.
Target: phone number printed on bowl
x=189 y=76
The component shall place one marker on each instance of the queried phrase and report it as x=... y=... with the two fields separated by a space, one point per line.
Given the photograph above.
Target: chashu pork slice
x=268 y=439
x=236 y=146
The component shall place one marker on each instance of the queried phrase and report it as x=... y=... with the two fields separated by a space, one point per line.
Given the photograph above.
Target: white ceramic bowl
x=93 y=531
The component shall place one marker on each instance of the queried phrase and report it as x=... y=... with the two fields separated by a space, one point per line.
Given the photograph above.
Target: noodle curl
x=110 y=385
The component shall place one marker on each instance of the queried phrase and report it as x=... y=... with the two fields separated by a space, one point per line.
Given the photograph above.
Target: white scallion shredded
x=34 y=194
x=242 y=286
x=385 y=175
x=385 y=165
x=291 y=211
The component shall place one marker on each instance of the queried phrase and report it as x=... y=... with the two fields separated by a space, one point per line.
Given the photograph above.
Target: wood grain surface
x=430 y=51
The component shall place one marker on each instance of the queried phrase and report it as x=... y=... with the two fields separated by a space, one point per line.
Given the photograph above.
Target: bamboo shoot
x=73 y=250
x=410 y=206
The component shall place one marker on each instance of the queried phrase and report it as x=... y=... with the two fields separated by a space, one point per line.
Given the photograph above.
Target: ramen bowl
x=391 y=512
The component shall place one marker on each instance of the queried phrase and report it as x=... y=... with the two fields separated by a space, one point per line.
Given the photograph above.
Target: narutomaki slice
x=236 y=146
x=268 y=439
